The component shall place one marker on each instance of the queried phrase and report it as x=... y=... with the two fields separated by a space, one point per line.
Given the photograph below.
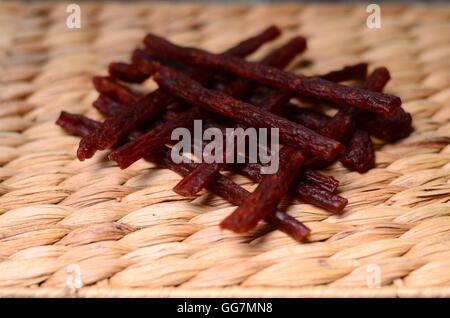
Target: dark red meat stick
x=114 y=128
x=306 y=86
x=359 y=154
x=107 y=86
x=253 y=172
x=75 y=124
x=305 y=116
x=137 y=72
x=392 y=127
x=153 y=139
x=304 y=189
x=108 y=106
x=295 y=134
x=356 y=71
x=221 y=185
x=264 y=199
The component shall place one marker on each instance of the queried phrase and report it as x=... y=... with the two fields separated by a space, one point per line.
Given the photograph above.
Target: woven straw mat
x=127 y=234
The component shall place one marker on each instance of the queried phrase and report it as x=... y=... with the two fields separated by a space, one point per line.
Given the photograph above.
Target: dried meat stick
x=291 y=133
x=221 y=185
x=316 y=178
x=107 y=86
x=305 y=116
x=140 y=70
x=75 y=124
x=304 y=189
x=315 y=120
x=114 y=128
x=153 y=139
x=392 y=127
x=359 y=154
x=279 y=58
x=137 y=72
x=253 y=172
x=264 y=199
x=343 y=123
x=317 y=196
x=306 y=86
x=356 y=71
x=108 y=106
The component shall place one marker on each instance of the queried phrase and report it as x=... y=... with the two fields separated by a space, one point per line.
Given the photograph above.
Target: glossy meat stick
x=306 y=86
x=264 y=199
x=317 y=194
x=122 y=94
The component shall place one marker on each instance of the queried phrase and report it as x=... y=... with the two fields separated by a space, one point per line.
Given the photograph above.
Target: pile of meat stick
x=224 y=90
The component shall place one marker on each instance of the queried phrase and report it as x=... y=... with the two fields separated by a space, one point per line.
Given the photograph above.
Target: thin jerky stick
x=303 y=188
x=305 y=116
x=392 y=127
x=342 y=127
x=107 y=86
x=114 y=128
x=108 y=106
x=325 y=182
x=359 y=154
x=344 y=122
x=140 y=69
x=306 y=86
x=295 y=134
x=137 y=72
x=265 y=198
x=75 y=124
x=153 y=139
x=253 y=172
x=221 y=185
x=357 y=71
x=281 y=57
x=312 y=194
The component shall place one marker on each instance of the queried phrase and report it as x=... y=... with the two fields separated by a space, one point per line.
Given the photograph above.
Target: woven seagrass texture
x=130 y=235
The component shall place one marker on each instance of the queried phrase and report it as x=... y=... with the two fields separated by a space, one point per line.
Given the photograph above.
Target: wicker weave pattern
x=131 y=235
